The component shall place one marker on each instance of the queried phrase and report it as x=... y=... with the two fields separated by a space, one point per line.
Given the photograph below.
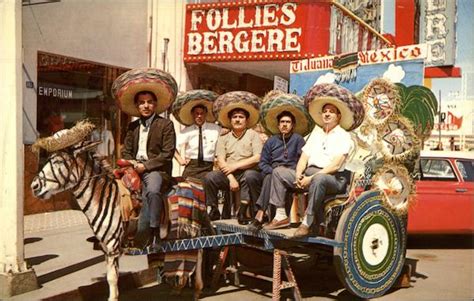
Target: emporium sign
x=54 y=92
x=244 y=31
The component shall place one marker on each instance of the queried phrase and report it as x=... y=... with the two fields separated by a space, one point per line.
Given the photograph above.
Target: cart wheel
x=374 y=245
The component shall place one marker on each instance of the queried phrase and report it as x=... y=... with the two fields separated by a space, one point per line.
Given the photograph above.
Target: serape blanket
x=187 y=210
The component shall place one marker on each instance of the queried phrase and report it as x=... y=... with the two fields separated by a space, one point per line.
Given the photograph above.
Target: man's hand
x=303 y=182
x=227 y=169
x=233 y=184
x=140 y=168
x=184 y=162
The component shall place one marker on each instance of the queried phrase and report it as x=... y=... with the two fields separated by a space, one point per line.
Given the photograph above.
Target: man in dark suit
x=150 y=142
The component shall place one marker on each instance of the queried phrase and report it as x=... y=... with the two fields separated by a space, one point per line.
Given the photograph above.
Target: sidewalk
x=65 y=263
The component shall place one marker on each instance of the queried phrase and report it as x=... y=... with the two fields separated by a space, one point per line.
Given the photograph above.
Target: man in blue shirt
x=279 y=115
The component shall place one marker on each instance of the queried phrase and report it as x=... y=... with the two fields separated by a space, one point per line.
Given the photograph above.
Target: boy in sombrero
x=321 y=167
x=238 y=153
x=199 y=138
x=150 y=140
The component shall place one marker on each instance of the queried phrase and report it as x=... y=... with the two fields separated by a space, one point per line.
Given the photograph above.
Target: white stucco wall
x=168 y=23
x=111 y=32
x=11 y=152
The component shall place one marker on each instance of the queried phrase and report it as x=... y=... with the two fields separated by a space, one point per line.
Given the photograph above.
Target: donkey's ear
x=84 y=146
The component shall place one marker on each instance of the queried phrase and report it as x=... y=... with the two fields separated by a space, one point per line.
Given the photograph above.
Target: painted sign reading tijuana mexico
x=386 y=55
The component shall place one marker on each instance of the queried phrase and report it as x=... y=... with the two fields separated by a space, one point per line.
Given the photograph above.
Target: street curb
x=100 y=289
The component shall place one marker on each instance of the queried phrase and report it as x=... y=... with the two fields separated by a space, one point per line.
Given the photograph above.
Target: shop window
x=71 y=89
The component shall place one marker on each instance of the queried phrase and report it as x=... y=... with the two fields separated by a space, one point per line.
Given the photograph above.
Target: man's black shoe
x=214 y=214
x=242 y=218
x=255 y=225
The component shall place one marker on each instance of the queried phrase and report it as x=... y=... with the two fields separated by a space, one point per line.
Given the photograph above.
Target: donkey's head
x=63 y=170
x=64 y=167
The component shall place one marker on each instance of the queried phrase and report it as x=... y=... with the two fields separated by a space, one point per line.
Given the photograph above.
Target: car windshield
x=437 y=169
x=466 y=167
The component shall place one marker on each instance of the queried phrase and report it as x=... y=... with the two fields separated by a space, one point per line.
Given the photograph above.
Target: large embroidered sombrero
x=237 y=99
x=397 y=140
x=161 y=83
x=183 y=105
x=351 y=108
x=381 y=100
x=65 y=138
x=397 y=185
x=276 y=102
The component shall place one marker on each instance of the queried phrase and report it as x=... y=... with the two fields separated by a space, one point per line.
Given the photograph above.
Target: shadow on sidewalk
x=37 y=260
x=69 y=269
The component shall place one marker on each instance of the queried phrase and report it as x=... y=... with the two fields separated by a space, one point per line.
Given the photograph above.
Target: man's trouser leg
x=321 y=186
x=250 y=185
x=213 y=182
x=152 y=182
x=152 y=205
x=264 y=198
x=283 y=179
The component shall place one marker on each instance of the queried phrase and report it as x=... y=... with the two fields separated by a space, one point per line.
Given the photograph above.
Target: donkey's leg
x=112 y=276
x=198 y=282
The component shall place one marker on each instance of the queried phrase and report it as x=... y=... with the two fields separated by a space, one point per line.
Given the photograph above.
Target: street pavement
x=64 y=261
x=441 y=274
x=67 y=268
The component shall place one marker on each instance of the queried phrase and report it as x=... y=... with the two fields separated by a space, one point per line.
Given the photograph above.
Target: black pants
x=196 y=170
x=250 y=186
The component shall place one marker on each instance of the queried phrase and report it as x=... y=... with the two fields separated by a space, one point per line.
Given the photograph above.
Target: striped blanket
x=187 y=210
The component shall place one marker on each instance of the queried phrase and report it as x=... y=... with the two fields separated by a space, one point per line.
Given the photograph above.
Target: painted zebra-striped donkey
x=71 y=166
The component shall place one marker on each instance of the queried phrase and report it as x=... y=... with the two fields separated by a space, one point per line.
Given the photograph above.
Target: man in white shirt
x=198 y=163
x=320 y=169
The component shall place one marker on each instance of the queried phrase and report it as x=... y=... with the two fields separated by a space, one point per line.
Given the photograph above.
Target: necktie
x=201 y=150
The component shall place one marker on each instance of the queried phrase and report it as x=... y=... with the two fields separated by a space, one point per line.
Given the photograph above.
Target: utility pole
x=440 y=120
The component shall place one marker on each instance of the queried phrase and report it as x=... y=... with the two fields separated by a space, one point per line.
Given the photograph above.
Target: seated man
x=199 y=137
x=238 y=153
x=320 y=169
x=284 y=147
x=149 y=142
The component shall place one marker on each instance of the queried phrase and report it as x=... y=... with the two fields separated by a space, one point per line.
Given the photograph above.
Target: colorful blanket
x=187 y=210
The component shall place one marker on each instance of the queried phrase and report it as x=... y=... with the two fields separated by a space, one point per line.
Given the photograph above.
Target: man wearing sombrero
x=199 y=137
x=284 y=116
x=150 y=140
x=238 y=153
x=320 y=168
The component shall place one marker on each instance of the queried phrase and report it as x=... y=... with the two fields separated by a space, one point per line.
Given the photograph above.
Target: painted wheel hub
x=374 y=242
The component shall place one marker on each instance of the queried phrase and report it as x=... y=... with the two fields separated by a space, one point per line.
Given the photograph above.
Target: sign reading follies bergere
x=260 y=30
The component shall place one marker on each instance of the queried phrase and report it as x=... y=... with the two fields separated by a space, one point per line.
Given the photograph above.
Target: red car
x=445 y=194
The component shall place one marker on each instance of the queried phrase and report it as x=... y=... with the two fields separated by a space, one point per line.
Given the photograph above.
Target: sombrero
x=351 y=108
x=397 y=140
x=183 y=105
x=161 y=83
x=381 y=100
x=237 y=100
x=397 y=186
x=65 y=138
x=276 y=102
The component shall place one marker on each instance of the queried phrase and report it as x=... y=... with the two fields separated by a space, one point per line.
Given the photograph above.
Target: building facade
x=71 y=61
